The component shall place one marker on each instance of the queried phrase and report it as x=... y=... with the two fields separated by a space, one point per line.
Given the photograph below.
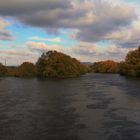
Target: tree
x=3 y=70
x=131 y=65
x=11 y=71
x=57 y=64
x=26 y=69
x=108 y=66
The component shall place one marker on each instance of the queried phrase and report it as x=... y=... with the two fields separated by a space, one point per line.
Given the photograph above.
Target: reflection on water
x=94 y=106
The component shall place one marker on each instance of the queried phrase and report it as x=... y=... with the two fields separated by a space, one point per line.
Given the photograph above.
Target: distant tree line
x=108 y=66
x=129 y=67
x=57 y=64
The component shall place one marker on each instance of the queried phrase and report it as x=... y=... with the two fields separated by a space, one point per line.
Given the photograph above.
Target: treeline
x=3 y=70
x=50 y=64
x=129 y=67
x=108 y=66
x=57 y=64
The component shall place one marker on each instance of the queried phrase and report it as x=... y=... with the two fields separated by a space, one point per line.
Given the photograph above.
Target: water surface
x=92 y=107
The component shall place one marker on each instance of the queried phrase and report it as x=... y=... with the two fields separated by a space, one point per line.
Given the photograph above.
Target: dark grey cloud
x=132 y=43
x=6 y=36
x=108 y=19
x=93 y=18
x=23 y=7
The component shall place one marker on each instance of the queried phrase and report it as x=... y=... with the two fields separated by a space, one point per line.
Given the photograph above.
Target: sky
x=89 y=30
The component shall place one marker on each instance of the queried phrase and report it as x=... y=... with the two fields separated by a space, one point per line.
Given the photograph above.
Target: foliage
x=3 y=70
x=131 y=65
x=108 y=66
x=26 y=69
x=11 y=71
x=57 y=64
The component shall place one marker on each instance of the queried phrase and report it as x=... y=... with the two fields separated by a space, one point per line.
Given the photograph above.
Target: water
x=92 y=107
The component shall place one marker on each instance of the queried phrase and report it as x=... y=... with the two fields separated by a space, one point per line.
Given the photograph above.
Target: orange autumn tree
x=131 y=65
x=3 y=70
x=27 y=69
x=57 y=64
x=108 y=66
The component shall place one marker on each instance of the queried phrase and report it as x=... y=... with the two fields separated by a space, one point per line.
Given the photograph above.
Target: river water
x=92 y=107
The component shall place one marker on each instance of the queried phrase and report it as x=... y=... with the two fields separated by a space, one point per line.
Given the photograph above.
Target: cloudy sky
x=90 y=30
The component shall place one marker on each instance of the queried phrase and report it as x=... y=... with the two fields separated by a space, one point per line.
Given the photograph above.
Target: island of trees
x=59 y=65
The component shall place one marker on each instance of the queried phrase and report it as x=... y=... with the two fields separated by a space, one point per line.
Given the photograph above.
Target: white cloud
x=56 y=40
x=17 y=57
x=122 y=35
x=41 y=46
x=128 y=37
x=3 y=24
x=93 y=52
x=84 y=51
